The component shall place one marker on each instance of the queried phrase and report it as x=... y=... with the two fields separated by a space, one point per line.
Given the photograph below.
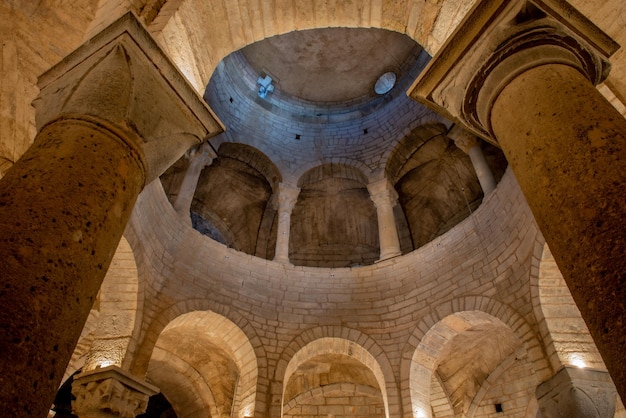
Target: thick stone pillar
x=287 y=197
x=385 y=198
x=527 y=84
x=470 y=144
x=110 y=392
x=199 y=158
x=577 y=393
x=65 y=203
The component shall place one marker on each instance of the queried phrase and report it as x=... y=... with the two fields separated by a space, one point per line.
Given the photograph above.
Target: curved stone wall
x=484 y=264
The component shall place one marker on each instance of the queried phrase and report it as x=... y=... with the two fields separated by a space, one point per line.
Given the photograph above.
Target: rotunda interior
x=325 y=130
x=336 y=248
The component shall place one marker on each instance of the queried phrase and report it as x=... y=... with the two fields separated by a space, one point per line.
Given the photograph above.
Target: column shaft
x=385 y=197
x=470 y=145
x=287 y=197
x=63 y=208
x=197 y=161
x=567 y=145
x=483 y=171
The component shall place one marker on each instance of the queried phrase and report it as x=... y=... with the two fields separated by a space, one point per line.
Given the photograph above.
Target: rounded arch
x=565 y=333
x=323 y=235
x=342 y=341
x=237 y=24
x=334 y=170
x=408 y=145
x=254 y=158
x=240 y=333
x=303 y=171
x=485 y=306
x=118 y=304
x=479 y=333
x=107 y=336
x=224 y=335
x=181 y=384
x=330 y=345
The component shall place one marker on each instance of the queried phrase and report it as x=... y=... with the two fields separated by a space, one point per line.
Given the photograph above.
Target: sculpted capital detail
x=500 y=40
x=112 y=391
x=122 y=81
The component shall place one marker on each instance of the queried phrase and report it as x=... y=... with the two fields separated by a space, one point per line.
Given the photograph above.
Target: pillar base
x=384 y=257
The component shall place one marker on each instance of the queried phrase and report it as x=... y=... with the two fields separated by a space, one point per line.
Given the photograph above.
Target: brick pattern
x=512 y=386
x=339 y=400
x=497 y=249
x=386 y=309
x=563 y=329
x=299 y=136
x=34 y=38
x=118 y=307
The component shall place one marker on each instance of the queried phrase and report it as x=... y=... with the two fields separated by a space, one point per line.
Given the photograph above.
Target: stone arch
x=563 y=329
x=240 y=329
x=493 y=309
x=322 y=235
x=408 y=145
x=361 y=392
x=235 y=24
x=436 y=183
x=208 y=331
x=435 y=348
x=492 y=380
x=357 y=166
x=107 y=336
x=118 y=306
x=254 y=158
x=236 y=197
x=338 y=340
x=181 y=384
x=79 y=356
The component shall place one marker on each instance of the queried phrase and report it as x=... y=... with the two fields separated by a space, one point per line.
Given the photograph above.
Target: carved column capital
x=202 y=155
x=111 y=391
x=382 y=194
x=577 y=393
x=287 y=197
x=123 y=82
x=463 y=139
x=498 y=41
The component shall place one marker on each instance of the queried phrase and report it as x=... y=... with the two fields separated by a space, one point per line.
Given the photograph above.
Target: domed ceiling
x=334 y=65
x=322 y=128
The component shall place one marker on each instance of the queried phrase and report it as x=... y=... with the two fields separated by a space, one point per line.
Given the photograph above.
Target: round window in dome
x=385 y=83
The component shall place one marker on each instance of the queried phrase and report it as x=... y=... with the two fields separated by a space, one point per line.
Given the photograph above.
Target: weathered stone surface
x=72 y=192
x=567 y=153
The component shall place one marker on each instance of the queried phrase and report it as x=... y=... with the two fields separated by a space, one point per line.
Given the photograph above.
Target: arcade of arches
x=295 y=208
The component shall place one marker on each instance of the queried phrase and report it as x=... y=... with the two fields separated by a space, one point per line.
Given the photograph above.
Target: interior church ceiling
x=323 y=107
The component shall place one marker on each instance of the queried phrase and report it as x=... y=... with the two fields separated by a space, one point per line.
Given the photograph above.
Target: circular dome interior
x=300 y=109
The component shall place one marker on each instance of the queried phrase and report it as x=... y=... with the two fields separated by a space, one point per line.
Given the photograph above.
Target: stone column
x=110 y=392
x=287 y=197
x=527 y=84
x=385 y=198
x=470 y=144
x=199 y=158
x=577 y=393
x=65 y=203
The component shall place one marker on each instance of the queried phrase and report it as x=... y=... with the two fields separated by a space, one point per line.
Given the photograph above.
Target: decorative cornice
x=498 y=40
